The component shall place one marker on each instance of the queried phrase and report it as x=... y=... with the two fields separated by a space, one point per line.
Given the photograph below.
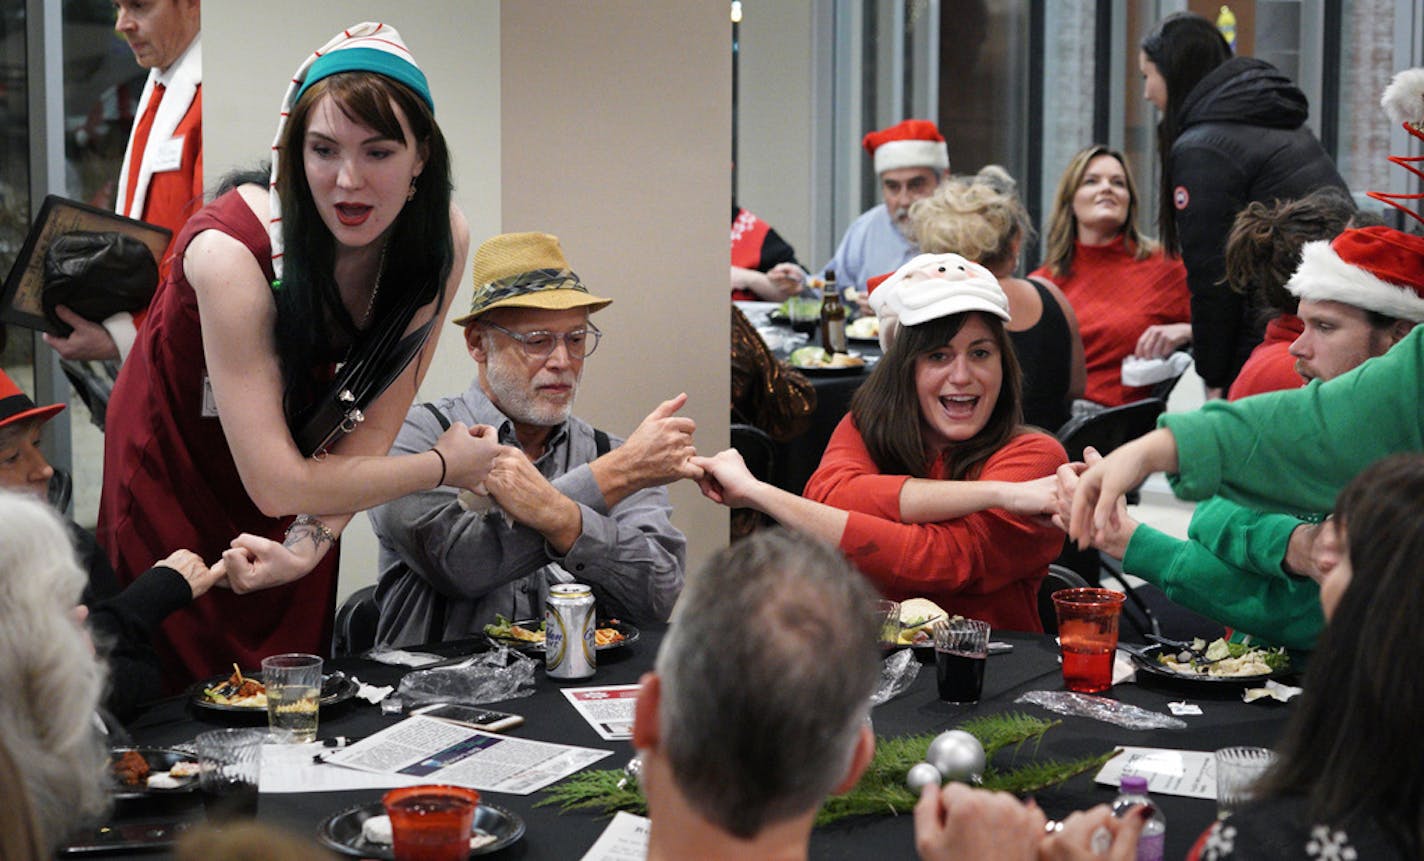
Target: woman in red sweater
x=1130 y=298
x=932 y=486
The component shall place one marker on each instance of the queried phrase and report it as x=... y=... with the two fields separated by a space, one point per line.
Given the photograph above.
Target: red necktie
x=140 y=143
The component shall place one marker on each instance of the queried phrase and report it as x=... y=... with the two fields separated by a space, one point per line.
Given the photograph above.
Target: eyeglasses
x=580 y=343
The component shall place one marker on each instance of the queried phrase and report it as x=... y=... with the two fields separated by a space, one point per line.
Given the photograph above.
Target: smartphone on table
x=476 y=717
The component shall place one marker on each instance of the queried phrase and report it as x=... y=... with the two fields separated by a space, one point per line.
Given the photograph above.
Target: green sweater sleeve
x=1294 y=450
x=1243 y=537
x=1284 y=611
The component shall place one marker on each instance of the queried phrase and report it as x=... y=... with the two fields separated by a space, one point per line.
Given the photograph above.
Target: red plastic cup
x=1087 y=635
x=431 y=823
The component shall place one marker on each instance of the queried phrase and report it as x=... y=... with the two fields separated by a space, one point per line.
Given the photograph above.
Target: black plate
x=342 y=831
x=630 y=636
x=1146 y=660
x=335 y=688
x=147 y=835
x=158 y=759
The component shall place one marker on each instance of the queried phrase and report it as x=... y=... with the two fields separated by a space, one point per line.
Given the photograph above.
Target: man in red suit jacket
x=161 y=180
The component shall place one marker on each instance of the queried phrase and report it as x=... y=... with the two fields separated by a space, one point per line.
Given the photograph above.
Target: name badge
x=167 y=155
x=210 y=403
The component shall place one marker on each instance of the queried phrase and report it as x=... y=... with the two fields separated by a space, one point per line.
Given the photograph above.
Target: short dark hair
x=421 y=249
x=766 y=676
x=886 y=407
x=1185 y=47
x=1353 y=745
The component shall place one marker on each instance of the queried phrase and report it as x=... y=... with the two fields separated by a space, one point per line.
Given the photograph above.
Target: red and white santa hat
x=909 y=143
x=1376 y=268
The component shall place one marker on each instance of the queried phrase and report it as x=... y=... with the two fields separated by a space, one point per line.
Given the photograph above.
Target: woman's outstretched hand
x=726 y=479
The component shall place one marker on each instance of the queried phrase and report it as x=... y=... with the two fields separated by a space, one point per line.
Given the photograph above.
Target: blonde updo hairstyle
x=974 y=217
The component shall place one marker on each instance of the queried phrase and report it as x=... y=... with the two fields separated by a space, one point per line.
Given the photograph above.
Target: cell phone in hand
x=485 y=719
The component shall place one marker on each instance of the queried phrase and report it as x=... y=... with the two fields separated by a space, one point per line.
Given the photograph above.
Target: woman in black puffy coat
x=1232 y=131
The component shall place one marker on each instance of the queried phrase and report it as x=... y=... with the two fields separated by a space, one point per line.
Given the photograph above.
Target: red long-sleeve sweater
x=985 y=565
x=1115 y=299
x=1270 y=367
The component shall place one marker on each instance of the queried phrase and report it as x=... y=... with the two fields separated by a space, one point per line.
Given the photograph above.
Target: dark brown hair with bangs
x=886 y=408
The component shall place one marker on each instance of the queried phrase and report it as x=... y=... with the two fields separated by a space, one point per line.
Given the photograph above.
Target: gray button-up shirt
x=432 y=550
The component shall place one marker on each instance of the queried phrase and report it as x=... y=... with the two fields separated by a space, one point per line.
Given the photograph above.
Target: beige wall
x=616 y=127
x=607 y=124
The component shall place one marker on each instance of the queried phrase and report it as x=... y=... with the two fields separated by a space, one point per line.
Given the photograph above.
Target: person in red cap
x=123 y=620
x=1358 y=298
x=910 y=158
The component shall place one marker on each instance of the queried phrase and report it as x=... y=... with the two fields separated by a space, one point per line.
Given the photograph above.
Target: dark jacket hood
x=1245 y=90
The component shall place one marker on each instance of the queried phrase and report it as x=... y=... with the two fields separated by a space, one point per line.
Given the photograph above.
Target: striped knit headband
x=365 y=47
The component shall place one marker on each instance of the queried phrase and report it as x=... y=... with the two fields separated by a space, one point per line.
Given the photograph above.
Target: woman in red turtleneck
x=1130 y=298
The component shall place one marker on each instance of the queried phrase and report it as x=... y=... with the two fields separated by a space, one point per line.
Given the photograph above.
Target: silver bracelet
x=323 y=532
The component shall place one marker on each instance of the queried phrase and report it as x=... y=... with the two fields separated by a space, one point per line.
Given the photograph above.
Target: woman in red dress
x=241 y=337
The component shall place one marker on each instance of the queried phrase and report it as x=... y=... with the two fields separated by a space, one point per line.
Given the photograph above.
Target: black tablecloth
x=1032 y=665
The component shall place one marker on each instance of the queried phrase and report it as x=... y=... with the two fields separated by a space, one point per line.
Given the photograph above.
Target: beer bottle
x=833 y=316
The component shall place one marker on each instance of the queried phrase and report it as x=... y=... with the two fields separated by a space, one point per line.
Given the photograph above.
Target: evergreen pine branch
x=1035 y=776
x=881 y=790
x=595 y=790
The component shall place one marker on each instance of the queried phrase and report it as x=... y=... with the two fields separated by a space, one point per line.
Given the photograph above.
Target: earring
x=410 y=195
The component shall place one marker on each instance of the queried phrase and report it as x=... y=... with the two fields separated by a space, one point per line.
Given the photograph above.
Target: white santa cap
x=910 y=143
x=1375 y=268
x=931 y=286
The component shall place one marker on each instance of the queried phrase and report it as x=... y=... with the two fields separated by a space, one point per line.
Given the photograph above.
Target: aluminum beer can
x=569 y=626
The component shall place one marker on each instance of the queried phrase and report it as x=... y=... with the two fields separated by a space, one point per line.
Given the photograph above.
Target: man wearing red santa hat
x=161 y=180
x=910 y=158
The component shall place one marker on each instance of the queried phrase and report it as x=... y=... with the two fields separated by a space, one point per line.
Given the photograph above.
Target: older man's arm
x=632 y=553
x=459 y=553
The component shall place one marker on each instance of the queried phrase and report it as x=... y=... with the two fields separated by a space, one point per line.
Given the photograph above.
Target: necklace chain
x=375 y=289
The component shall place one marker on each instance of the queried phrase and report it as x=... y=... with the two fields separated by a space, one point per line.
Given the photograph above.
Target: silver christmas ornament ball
x=957 y=755
x=920 y=775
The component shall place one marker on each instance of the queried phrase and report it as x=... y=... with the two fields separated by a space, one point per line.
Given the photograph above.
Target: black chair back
x=1058 y=577
x=1110 y=428
x=355 y=629
x=757 y=449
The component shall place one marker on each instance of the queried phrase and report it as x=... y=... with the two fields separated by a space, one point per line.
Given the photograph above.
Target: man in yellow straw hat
x=576 y=504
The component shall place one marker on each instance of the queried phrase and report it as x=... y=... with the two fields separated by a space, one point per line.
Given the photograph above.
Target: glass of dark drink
x=961 y=651
x=229 y=765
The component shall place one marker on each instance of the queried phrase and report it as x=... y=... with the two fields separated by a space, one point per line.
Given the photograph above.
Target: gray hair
x=766 y=676
x=50 y=678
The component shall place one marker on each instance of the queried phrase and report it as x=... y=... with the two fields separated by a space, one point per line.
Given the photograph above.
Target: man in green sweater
x=1359 y=296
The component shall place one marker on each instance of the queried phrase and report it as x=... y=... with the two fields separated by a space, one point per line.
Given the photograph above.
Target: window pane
x=15 y=343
